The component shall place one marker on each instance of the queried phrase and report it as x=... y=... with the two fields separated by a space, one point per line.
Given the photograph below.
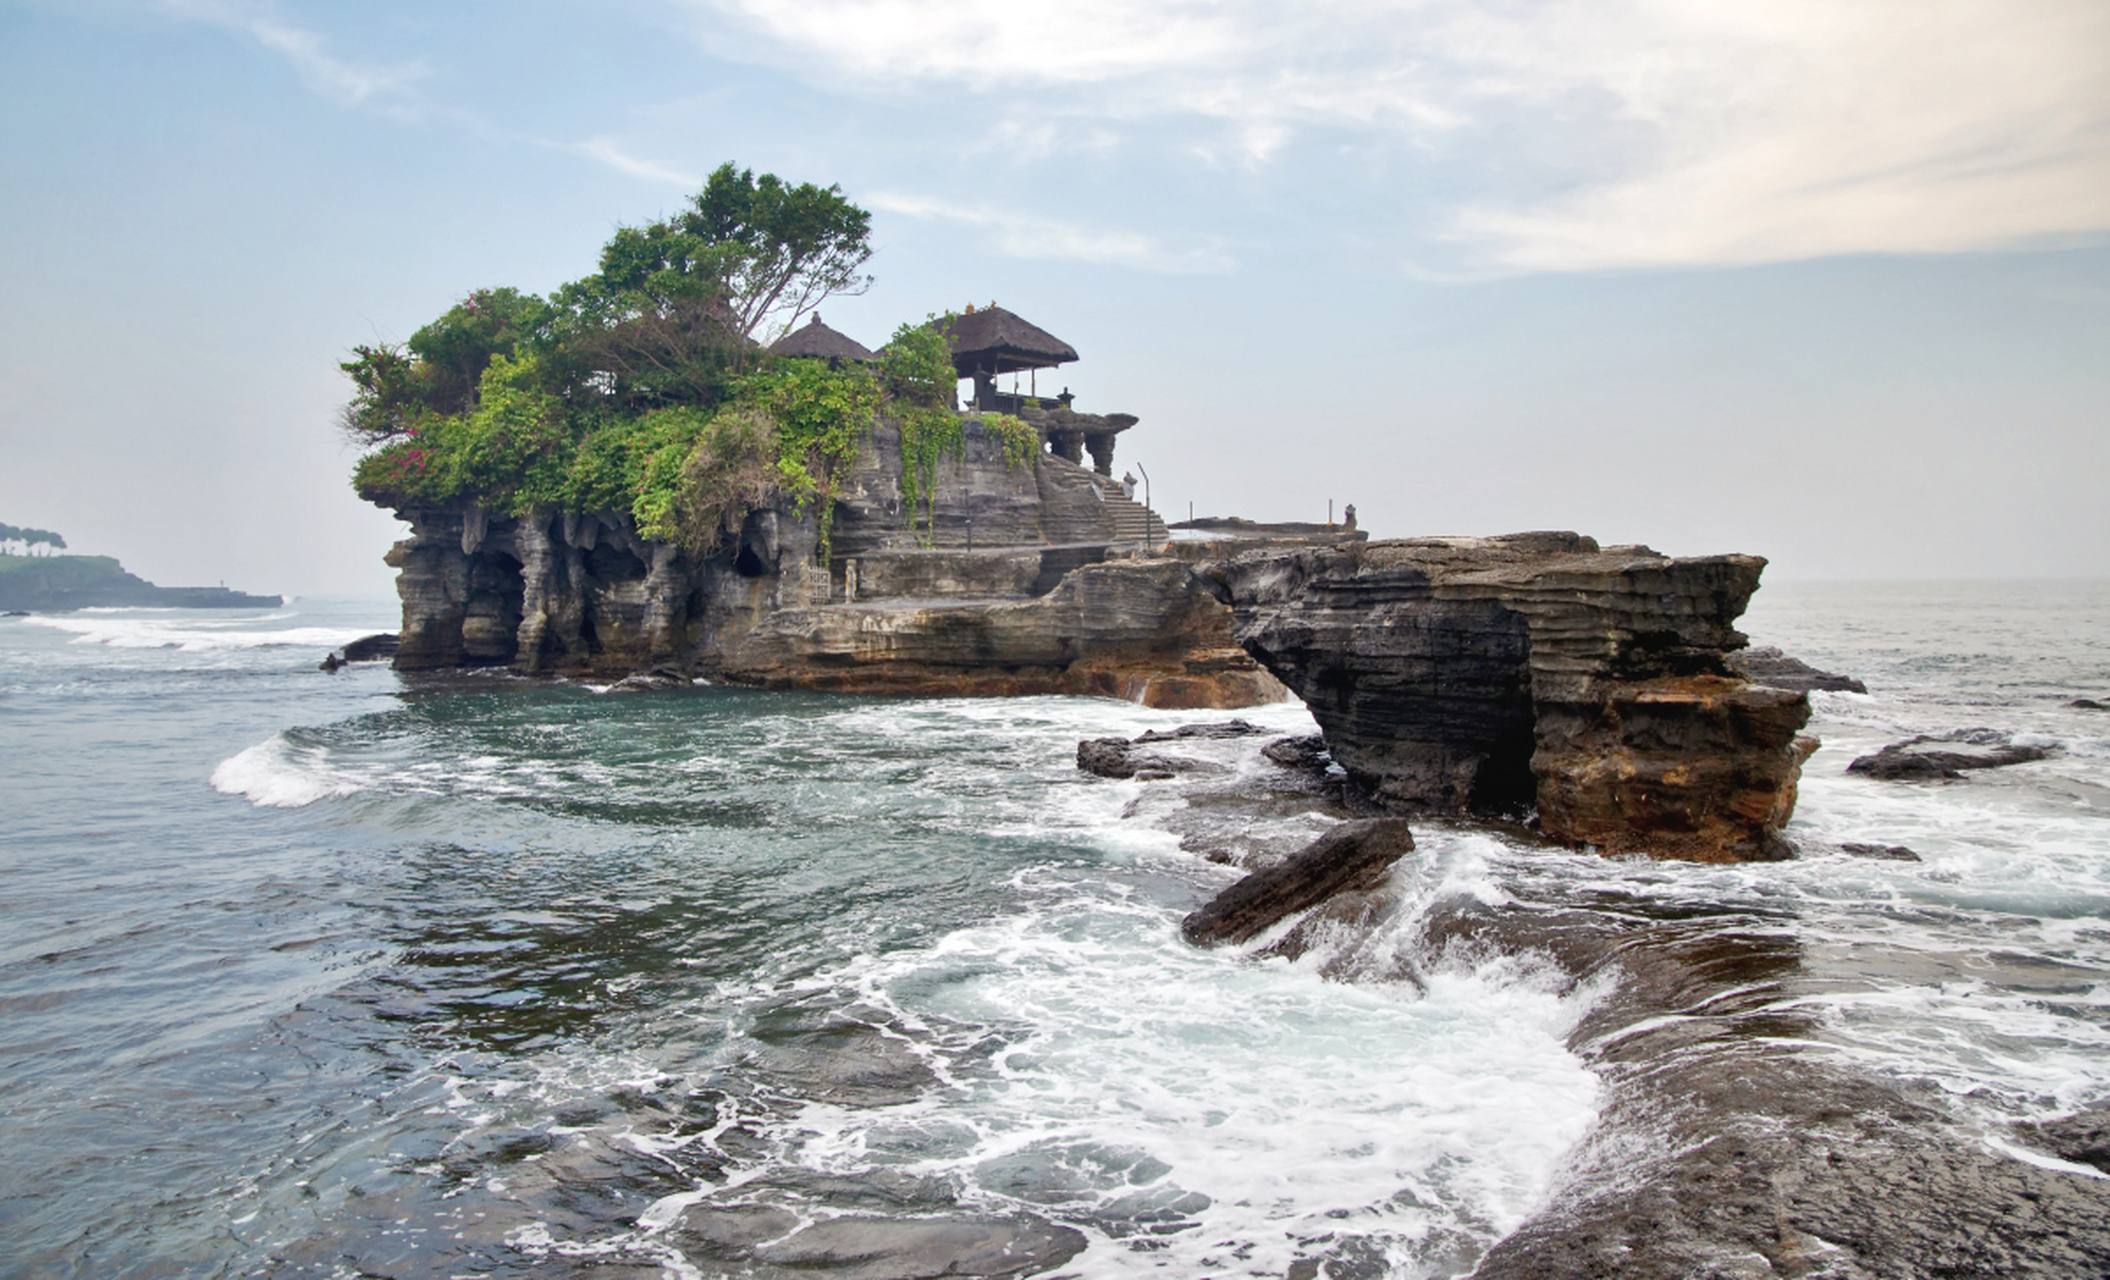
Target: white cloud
x=1647 y=132
x=608 y=153
x=344 y=82
x=1026 y=236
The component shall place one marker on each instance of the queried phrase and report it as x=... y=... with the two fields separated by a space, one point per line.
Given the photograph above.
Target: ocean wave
x=278 y=774
x=188 y=633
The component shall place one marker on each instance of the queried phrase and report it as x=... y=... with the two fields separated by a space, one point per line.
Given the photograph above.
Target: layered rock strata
x=1014 y=580
x=1535 y=672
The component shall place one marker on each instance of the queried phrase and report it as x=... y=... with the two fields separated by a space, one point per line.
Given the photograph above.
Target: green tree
x=777 y=250
x=680 y=305
x=440 y=369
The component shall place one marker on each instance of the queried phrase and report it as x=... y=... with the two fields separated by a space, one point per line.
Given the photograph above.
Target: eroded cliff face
x=1014 y=583
x=1535 y=671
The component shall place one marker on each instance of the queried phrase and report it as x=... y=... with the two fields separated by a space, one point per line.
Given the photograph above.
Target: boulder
x=1353 y=856
x=1305 y=752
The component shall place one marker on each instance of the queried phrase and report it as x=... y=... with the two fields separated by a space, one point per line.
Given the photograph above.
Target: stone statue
x=1348 y=518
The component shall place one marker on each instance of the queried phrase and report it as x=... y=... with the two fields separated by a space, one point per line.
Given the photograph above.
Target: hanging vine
x=927 y=436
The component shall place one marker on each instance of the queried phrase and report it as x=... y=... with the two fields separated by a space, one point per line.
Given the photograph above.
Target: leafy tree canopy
x=644 y=387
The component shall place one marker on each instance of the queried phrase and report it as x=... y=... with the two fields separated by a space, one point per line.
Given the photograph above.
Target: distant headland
x=50 y=582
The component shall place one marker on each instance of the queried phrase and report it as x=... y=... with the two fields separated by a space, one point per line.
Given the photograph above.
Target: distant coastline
x=48 y=584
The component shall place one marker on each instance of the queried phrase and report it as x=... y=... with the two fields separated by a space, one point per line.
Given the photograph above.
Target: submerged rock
x=1776 y=670
x=1944 y=755
x=1352 y=856
x=1888 y=852
x=373 y=648
x=1535 y=672
x=856 y=1248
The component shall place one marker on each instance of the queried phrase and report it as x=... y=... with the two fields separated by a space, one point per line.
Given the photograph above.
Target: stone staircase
x=1132 y=523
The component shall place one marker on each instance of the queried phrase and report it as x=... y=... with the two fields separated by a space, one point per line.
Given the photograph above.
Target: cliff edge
x=1536 y=673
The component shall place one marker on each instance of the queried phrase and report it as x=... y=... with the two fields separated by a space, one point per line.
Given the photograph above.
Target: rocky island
x=618 y=482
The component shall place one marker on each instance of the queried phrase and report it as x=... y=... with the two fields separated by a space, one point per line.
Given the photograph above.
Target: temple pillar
x=1068 y=445
x=1102 y=447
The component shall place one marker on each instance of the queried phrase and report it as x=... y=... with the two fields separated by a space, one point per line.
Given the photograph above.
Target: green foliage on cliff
x=644 y=387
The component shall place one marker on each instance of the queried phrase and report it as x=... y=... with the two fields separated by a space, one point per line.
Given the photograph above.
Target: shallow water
x=308 y=974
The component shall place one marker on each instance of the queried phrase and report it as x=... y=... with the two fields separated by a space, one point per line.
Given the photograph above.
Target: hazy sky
x=1823 y=280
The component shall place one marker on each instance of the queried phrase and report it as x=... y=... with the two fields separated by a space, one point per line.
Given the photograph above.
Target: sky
x=1823 y=280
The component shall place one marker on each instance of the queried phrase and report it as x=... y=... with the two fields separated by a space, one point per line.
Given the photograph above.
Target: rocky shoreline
x=1728 y=1143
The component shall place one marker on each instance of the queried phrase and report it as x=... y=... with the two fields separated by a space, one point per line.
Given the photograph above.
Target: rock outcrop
x=1776 y=670
x=1353 y=856
x=1535 y=672
x=1016 y=580
x=1118 y=757
x=1945 y=755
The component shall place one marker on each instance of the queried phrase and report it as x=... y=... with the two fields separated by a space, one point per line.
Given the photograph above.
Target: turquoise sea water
x=309 y=974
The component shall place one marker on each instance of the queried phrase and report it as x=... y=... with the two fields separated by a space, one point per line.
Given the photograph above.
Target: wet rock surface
x=1776 y=670
x=1727 y=1144
x=1535 y=671
x=1119 y=758
x=1725 y=1148
x=2083 y=1138
x=1945 y=755
x=1352 y=857
x=911 y=1249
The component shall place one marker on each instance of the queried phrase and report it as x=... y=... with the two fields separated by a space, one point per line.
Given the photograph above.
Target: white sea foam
x=276 y=773
x=1246 y=1109
x=184 y=630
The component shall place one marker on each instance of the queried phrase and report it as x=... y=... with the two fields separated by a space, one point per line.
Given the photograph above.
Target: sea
x=358 y=974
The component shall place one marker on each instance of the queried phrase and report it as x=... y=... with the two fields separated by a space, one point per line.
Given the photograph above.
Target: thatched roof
x=995 y=341
x=818 y=342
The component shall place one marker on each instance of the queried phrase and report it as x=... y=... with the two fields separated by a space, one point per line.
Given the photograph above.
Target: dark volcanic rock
x=1107 y=757
x=1352 y=856
x=1770 y=667
x=1890 y=852
x=1944 y=755
x=1535 y=671
x=2088 y=704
